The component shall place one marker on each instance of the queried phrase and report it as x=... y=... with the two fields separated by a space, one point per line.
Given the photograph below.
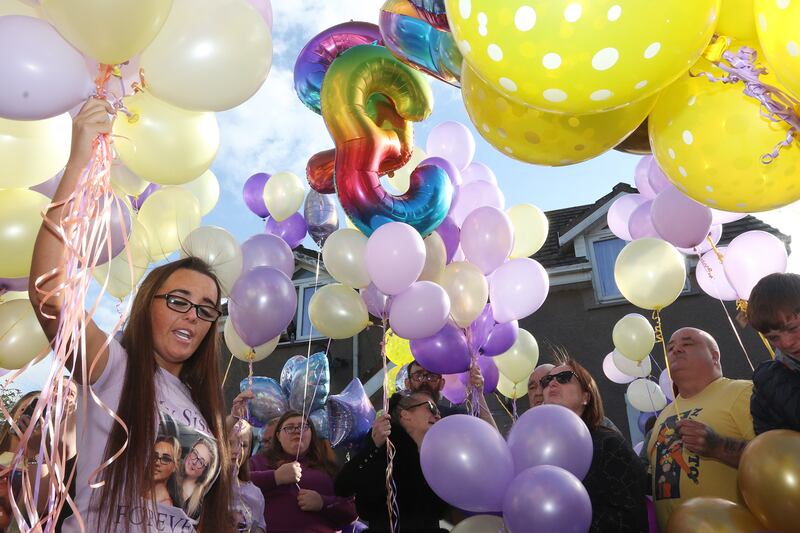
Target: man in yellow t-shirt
x=697 y=441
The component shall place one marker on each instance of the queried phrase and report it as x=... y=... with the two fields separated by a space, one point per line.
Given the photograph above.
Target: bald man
x=698 y=440
x=535 y=391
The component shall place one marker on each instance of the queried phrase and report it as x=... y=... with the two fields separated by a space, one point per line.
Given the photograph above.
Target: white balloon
x=613 y=373
x=220 y=250
x=631 y=368
x=646 y=395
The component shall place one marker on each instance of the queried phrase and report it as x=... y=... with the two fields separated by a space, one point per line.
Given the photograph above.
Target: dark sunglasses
x=562 y=377
x=182 y=305
x=431 y=407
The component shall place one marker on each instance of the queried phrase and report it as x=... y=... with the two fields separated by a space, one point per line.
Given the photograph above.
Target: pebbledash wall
x=578 y=315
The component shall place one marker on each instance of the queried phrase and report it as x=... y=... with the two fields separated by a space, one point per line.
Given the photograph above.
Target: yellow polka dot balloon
x=544 y=138
x=736 y=19
x=778 y=27
x=709 y=137
x=581 y=57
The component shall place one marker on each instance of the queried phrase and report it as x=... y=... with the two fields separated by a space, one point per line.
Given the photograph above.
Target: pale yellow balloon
x=650 y=273
x=481 y=523
x=219 y=250
x=634 y=369
x=337 y=311
x=18 y=7
x=530 y=229
x=400 y=180
x=170 y=214
x=206 y=190
x=581 y=57
x=544 y=138
x=468 y=290
x=519 y=361
x=33 y=151
x=511 y=389
x=435 y=258
x=21 y=336
x=398 y=349
x=633 y=336
x=211 y=55
x=109 y=31
x=646 y=395
x=125 y=182
x=20 y=219
x=123 y=272
x=344 y=255
x=283 y=195
x=242 y=351
x=778 y=28
x=164 y=144
x=737 y=19
x=13 y=295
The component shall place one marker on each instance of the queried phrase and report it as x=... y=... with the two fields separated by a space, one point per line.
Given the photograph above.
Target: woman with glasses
x=166 y=456
x=296 y=477
x=616 y=479
x=166 y=361
x=419 y=509
x=247 y=502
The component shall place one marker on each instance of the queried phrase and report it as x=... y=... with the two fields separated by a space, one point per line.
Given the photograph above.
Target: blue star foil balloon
x=321 y=422
x=309 y=393
x=350 y=415
x=268 y=403
x=287 y=374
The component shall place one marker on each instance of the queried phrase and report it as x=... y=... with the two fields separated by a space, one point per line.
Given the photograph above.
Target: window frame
x=301 y=286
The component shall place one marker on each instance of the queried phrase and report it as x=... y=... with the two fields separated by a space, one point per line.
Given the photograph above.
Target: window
x=305 y=290
x=604 y=255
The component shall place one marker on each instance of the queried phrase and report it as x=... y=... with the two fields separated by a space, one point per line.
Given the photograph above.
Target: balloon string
x=308 y=361
x=503 y=405
x=391 y=497
x=741 y=306
x=473 y=403
x=659 y=330
x=228 y=369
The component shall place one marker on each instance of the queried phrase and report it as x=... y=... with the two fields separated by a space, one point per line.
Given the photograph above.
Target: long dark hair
x=315 y=457
x=128 y=475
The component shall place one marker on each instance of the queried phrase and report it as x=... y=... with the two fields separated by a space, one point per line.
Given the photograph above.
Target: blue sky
x=274 y=131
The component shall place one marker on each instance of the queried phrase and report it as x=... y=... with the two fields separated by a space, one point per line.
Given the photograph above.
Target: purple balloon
x=350 y=414
x=454 y=388
x=267 y=250
x=319 y=211
x=378 y=304
x=450 y=233
x=13 y=284
x=262 y=303
x=481 y=327
x=619 y=214
x=679 y=220
x=471 y=196
x=665 y=383
x=517 y=289
x=467 y=463
x=487 y=237
x=138 y=201
x=119 y=231
x=420 y=311
x=452 y=141
x=253 y=193
x=49 y=187
x=445 y=352
x=551 y=435
x=640 y=224
x=751 y=256
x=476 y=171
x=641 y=421
x=292 y=230
x=43 y=75
x=501 y=338
x=489 y=371
x=547 y=498
x=715 y=233
x=657 y=179
x=641 y=178
x=724 y=217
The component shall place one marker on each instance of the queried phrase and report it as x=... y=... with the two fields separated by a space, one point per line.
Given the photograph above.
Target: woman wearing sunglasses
x=296 y=477
x=167 y=361
x=411 y=415
x=616 y=479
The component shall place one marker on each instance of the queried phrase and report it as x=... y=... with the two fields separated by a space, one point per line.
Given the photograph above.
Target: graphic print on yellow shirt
x=670 y=459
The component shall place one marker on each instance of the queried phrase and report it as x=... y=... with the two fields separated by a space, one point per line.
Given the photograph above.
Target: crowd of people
x=186 y=466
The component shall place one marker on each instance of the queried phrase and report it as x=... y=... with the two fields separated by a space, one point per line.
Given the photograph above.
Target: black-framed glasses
x=420 y=377
x=196 y=460
x=562 y=377
x=180 y=304
x=431 y=407
x=295 y=430
x=164 y=459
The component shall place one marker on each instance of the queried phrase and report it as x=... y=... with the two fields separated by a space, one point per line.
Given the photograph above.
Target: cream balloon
x=33 y=151
x=211 y=55
x=519 y=361
x=400 y=179
x=530 y=229
x=164 y=144
x=650 y=273
x=13 y=295
x=109 y=31
x=21 y=336
x=17 y=7
x=646 y=395
x=244 y=352
x=468 y=290
x=337 y=311
x=510 y=389
x=219 y=250
x=125 y=182
x=344 y=257
x=481 y=523
x=206 y=190
x=631 y=368
x=121 y=275
x=20 y=218
x=435 y=258
x=283 y=195
x=634 y=337
x=170 y=214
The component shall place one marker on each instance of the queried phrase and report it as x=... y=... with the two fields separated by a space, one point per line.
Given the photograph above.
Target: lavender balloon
x=13 y=284
x=641 y=177
x=711 y=278
x=487 y=237
x=253 y=193
x=551 y=435
x=292 y=230
x=268 y=403
x=138 y=201
x=262 y=303
x=471 y=196
x=43 y=75
x=489 y=371
x=547 y=498
x=445 y=352
x=267 y=250
x=378 y=304
x=518 y=288
x=454 y=389
x=751 y=256
x=395 y=257
x=264 y=8
x=679 y=220
x=476 y=171
x=640 y=224
x=322 y=219
x=715 y=234
x=119 y=231
x=49 y=187
x=351 y=415
x=619 y=214
x=419 y=311
x=665 y=382
x=450 y=233
x=467 y=463
x=724 y=217
x=452 y=141
x=657 y=178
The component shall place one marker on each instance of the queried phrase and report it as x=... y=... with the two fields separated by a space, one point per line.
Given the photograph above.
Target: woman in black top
x=419 y=508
